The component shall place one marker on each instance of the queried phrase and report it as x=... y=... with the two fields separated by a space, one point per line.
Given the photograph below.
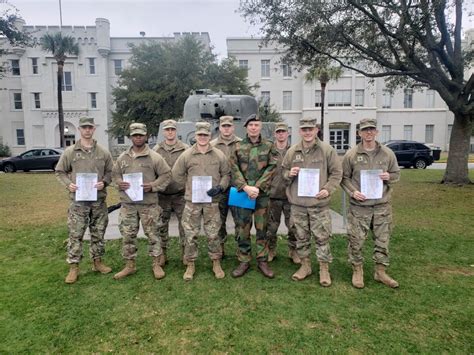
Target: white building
x=28 y=92
x=412 y=114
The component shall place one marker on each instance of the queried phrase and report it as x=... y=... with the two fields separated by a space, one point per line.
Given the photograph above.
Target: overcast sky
x=155 y=17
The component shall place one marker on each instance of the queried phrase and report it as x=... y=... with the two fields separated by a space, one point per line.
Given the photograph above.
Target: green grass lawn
x=432 y=311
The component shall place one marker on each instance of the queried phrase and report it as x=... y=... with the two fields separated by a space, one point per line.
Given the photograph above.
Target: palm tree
x=60 y=46
x=323 y=73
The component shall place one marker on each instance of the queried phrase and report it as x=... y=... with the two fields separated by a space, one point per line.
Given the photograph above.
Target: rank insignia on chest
x=360 y=158
x=78 y=155
x=298 y=157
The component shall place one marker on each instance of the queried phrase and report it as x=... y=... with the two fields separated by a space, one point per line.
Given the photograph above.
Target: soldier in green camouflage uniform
x=252 y=165
x=202 y=160
x=226 y=143
x=86 y=156
x=172 y=199
x=278 y=201
x=156 y=176
x=369 y=214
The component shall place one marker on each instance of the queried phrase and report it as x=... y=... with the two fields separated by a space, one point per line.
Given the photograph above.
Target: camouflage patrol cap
x=138 y=128
x=169 y=124
x=203 y=128
x=251 y=118
x=367 y=123
x=226 y=121
x=281 y=126
x=308 y=122
x=86 y=121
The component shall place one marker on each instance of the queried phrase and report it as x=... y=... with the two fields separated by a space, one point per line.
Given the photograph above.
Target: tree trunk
x=60 y=104
x=323 y=96
x=457 y=171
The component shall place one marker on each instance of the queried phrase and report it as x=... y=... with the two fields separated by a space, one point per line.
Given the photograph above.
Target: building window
x=408 y=132
x=359 y=98
x=36 y=100
x=91 y=65
x=287 y=104
x=15 y=63
x=120 y=140
x=387 y=99
x=67 y=81
x=430 y=98
x=286 y=69
x=265 y=68
x=34 y=65
x=17 y=103
x=243 y=64
x=429 y=133
x=317 y=98
x=118 y=66
x=20 y=136
x=386 y=133
x=93 y=97
x=339 y=98
x=265 y=97
x=408 y=98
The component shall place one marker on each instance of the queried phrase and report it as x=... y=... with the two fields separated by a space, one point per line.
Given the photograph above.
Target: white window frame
x=317 y=98
x=408 y=98
x=339 y=98
x=244 y=64
x=287 y=100
x=359 y=98
x=408 y=132
x=20 y=139
x=93 y=100
x=286 y=70
x=265 y=68
x=387 y=99
x=36 y=100
x=429 y=133
x=17 y=100
x=118 y=68
x=67 y=81
x=386 y=133
x=91 y=66
x=15 y=69
x=430 y=98
x=265 y=95
x=34 y=66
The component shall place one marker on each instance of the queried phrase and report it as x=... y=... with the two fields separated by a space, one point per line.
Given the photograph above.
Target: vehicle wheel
x=420 y=164
x=9 y=168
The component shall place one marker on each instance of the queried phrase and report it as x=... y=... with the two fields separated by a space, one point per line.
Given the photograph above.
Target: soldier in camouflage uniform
x=369 y=214
x=278 y=201
x=310 y=215
x=202 y=160
x=156 y=174
x=172 y=199
x=226 y=143
x=86 y=156
x=252 y=164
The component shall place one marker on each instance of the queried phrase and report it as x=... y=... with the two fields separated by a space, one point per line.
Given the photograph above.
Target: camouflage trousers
x=170 y=203
x=224 y=211
x=315 y=222
x=129 y=223
x=275 y=208
x=360 y=220
x=192 y=215
x=243 y=225
x=81 y=215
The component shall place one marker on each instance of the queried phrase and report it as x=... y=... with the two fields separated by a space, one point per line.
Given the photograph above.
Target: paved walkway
x=114 y=233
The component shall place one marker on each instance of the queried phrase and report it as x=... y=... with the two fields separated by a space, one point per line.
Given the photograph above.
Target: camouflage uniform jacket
x=357 y=159
x=194 y=163
x=76 y=159
x=253 y=164
x=319 y=156
x=227 y=146
x=277 y=190
x=154 y=169
x=171 y=153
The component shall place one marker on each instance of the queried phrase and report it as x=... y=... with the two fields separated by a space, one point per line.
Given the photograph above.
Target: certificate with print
x=308 y=182
x=199 y=188
x=86 y=187
x=135 y=191
x=371 y=185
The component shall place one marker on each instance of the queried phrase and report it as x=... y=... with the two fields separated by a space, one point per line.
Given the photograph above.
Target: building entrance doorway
x=339 y=136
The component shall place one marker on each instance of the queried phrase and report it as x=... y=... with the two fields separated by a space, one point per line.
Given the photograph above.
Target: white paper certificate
x=371 y=185
x=86 y=189
x=135 y=191
x=308 y=182
x=200 y=186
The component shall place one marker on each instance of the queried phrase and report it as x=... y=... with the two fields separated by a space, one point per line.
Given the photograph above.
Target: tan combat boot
x=189 y=274
x=73 y=273
x=293 y=255
x=157 y=269
x=324 y=276
x=304 y=271
x=217 y=269
x=271 y=255
x=163 y=259
x=129 y=269
x=100 y=267
x=382 y=277
x=357 y=276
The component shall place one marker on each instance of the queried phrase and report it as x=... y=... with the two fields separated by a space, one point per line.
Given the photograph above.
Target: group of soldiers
x=267 y=172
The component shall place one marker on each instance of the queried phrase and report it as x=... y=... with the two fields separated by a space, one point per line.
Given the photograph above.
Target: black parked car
x=34 y=159
x=410 y=153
